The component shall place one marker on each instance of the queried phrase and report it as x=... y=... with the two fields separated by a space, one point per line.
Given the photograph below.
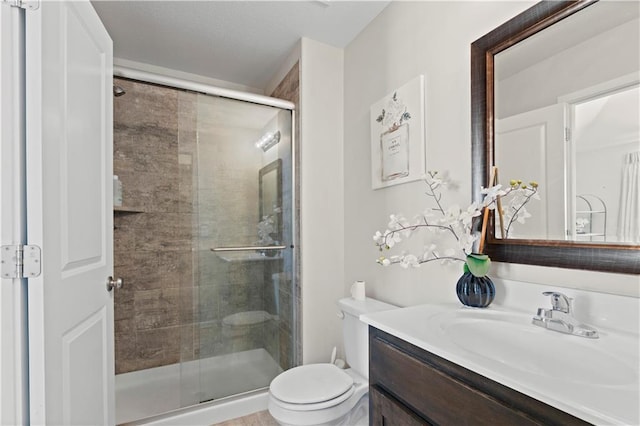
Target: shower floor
x=154 y=391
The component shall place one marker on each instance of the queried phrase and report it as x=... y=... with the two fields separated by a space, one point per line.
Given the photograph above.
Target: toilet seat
x=316 y=406
x=312 y=387
x=325 y=412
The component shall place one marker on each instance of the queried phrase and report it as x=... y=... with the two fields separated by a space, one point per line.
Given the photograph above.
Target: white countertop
x=603 y=390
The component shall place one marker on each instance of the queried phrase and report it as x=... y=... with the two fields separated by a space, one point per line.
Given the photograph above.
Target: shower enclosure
x=204 y=242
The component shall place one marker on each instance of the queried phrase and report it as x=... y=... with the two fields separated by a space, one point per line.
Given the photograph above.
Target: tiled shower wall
x=177 y=292
x=154 y=141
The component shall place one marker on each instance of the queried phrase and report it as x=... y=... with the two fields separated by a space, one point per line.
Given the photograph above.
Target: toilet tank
x=355 y=333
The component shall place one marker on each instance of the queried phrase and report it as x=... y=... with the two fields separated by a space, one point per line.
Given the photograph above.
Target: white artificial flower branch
x=516 y=211
x=454 y=221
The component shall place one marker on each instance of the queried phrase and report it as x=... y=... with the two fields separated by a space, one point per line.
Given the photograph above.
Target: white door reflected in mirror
x=605 y=141
x=567 y=115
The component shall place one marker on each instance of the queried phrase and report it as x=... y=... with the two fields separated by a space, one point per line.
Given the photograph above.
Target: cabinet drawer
x=445 y=393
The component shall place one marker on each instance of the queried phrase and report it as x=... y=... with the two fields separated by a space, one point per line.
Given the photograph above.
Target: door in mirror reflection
x=604 y=145
x=532 y=149
x=566 y=115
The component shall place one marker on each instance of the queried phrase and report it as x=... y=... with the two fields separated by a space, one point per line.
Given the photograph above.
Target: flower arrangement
x=456 y=223
x=268 y=228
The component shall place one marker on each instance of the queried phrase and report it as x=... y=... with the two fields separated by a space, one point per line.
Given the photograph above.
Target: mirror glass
x=270 y=215
x=566 y=115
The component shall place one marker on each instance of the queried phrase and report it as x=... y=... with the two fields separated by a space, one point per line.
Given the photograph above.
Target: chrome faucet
x=559 y=302
x=560 y=318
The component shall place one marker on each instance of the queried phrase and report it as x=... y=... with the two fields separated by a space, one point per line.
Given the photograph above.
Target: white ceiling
x=243 y=42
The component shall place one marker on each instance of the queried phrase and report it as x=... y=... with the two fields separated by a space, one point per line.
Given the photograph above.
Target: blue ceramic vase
x=477 y=292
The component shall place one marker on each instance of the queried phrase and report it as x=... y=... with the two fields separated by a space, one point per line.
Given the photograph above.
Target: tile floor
x=261 y=418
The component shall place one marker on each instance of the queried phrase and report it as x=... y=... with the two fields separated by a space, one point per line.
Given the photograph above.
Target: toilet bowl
x=317 y=394
x=323 y=394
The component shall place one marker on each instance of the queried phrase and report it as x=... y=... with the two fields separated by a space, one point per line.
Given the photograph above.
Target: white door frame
x=569 y=101
x=14 y=407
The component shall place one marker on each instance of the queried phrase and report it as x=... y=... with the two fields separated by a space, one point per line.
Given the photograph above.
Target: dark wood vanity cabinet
x=410 y=386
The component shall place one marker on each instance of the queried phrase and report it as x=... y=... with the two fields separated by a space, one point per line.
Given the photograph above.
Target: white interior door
x=69 y=63
x=534 y=144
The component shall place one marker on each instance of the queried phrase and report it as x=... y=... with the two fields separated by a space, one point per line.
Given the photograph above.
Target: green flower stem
x=457 y=259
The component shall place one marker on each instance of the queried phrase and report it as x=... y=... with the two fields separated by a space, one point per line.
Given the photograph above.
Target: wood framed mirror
x=568 y=250
x=270 y=207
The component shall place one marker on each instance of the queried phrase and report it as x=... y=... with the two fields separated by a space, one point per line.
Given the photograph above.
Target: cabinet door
x=386 y=411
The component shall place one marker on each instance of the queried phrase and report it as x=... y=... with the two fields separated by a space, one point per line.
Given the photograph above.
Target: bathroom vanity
x=448 y=364
x=411 y=386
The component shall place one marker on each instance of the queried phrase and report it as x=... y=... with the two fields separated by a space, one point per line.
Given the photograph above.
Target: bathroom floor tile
x=261 y=418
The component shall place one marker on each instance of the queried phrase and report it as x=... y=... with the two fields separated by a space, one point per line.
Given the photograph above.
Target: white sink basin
x=593 y=379
x=510 y=338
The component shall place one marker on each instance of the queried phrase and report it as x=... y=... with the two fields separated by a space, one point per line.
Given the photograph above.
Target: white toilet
x=323 y=394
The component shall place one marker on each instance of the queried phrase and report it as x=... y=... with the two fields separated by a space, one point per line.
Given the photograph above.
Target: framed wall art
x=398 y=136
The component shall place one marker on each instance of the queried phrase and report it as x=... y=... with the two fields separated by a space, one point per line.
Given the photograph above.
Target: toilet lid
x=310 y=384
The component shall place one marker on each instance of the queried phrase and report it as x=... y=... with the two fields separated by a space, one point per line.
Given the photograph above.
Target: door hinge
x=24 y=4
x=20 y=261
x=567 y=134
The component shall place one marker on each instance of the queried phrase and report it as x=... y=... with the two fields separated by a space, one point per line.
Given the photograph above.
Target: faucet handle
x=559 y=302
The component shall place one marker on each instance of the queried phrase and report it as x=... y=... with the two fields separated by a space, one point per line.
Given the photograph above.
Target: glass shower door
x=243 y=237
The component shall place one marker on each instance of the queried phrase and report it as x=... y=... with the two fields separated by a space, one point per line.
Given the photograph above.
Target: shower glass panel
x=192 y=324
x=243 y=249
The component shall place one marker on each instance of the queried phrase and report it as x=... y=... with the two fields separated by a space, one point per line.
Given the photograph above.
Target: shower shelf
x=125 y=210
x=596 y=210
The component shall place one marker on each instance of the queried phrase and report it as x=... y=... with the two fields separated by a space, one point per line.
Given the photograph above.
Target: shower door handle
x=114 y=283
x=249 y=248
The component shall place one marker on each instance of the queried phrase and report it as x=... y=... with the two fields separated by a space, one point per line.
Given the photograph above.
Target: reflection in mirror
x=567 y=116
x=605 y=132
x=270 y=215
x=532 y=84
